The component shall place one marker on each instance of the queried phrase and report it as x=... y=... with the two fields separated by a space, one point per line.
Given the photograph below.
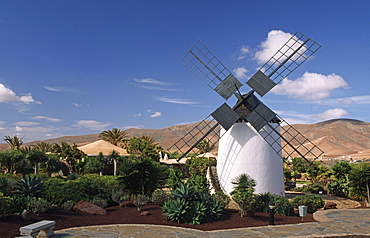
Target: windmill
x=250 y=136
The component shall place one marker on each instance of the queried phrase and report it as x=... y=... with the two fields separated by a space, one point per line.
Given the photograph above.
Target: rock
x=330 y=205
x=88 y=208
x=26 y=215
x=127 y=204
x=146 y=213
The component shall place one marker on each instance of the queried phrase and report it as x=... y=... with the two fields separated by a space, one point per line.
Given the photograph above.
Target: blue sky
x=81 y=67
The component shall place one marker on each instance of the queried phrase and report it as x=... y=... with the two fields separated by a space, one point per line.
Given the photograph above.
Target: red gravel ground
x=9 y=227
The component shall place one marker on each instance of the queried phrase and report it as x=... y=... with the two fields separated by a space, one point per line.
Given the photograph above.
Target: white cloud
x=153 y=84
x=240 y=73
x=33 y=133
x=92 y=125
x=156 y=114
x=244 y=51
x=136 y=127
x=149 y=81
x=274 y=41
x=361 y=100
x=7 y=95
x=26 y=123
x=77 y=105
x=48 y=118
x=311 y=86
x=176 y=101
x=18 y=128
x=136 y=115
x=61 y=89
x=331 y=114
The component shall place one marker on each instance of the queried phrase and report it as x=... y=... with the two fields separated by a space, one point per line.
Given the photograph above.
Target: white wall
x=243 y=150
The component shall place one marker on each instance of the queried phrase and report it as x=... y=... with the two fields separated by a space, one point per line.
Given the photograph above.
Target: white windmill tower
x=251 y=140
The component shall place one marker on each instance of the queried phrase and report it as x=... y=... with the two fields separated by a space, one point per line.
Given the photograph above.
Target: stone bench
x=41 y=228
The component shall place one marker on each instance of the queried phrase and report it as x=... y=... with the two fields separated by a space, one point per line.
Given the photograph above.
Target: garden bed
x=9 y=227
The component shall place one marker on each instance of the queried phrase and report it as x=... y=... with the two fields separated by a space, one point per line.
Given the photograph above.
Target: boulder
x=146 y=213
x=88 y=208
x=330 y=205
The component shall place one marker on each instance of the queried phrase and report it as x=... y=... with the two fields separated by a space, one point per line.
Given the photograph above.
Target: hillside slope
x=338 y=137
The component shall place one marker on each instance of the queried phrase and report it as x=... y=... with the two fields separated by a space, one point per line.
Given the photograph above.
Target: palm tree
x=14 y=142
x=114 y=136
x=43 y=146
x=205 y=146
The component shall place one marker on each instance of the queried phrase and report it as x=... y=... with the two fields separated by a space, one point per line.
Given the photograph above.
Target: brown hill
x=338 y=137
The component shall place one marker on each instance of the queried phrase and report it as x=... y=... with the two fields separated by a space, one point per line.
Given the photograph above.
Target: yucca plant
x=29 y=186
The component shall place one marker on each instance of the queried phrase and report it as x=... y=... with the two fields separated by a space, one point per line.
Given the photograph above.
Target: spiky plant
x=29 y=186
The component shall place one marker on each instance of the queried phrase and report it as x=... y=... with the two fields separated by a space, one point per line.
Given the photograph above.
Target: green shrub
x=38 y=206
x=338 y=188
x=175 y=178
x=221 y=197
x=99 y=202
x=283 y=206
x=243 y=192
x=313 y=202
x=6 y=185
x=160 y=197
x=142 y=176
x=177 y=209
x=5 y=206
x=68 y=205
x=198 y=182
x=59 y=191
x=107 y=183
x=310 y=188
x=72 y=176
x=192 y=207
x=29 y=186
x=140 y=200
x=19 y=203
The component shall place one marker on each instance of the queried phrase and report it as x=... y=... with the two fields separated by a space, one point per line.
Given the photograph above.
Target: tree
x=92 y=165
x=9 y=160
x=114 y=136
x=114 y=156
x=43 y=146
x=205 y=146
x=143 y=147
x=142 y=176
x=317 y=171
x=359 y=179
x=341 y=170
x=52 y=165
x=34 y=156
x=70 y=155
x=243 y=192
x=14 y=142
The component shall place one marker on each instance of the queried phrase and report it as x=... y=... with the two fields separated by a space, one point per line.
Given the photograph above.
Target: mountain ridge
x=336 y=137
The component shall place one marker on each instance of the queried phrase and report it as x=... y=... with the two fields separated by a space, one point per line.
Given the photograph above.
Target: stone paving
x=331 y=223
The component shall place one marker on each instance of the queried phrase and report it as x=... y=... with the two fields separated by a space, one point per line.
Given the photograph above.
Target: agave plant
x=6 y=185
x=29 y=186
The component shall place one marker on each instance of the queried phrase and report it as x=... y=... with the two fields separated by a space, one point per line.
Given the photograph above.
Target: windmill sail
x=249 y=108
x=291 y=55
x=210 y=70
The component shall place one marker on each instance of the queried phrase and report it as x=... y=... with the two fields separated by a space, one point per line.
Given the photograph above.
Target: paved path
x=331 y=223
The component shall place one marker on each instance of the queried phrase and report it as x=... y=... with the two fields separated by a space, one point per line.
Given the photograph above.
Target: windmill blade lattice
x=210 y=70
x=291 y=55
x=208 y=129
x=292 y=143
